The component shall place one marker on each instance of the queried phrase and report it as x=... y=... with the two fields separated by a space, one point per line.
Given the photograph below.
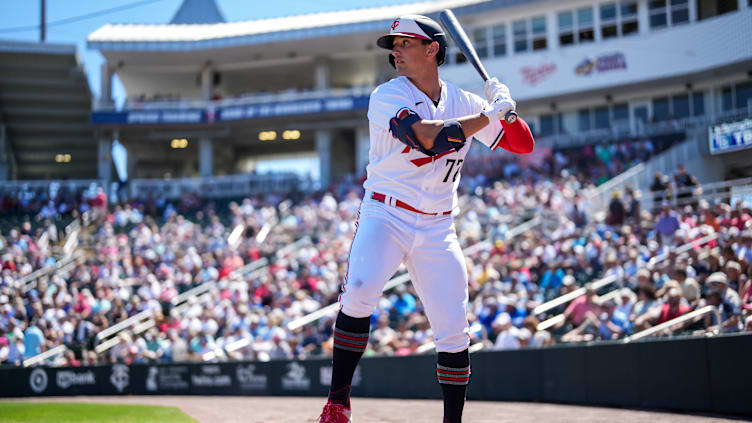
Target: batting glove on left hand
x=495 y=89
x=498 y=109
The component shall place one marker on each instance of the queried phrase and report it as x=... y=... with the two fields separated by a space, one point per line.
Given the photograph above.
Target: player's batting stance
x=419 y=128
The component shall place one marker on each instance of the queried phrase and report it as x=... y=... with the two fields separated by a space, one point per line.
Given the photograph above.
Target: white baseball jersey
x=426 y=183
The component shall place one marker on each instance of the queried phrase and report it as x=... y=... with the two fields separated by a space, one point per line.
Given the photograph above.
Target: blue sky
x=21 y=13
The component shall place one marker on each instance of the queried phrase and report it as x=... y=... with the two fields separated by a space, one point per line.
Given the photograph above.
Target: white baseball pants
x=428 y=245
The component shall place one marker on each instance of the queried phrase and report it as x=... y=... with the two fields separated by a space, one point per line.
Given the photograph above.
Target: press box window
x=538 y=25
x=727 y=98
x=519 y=28
x=629 y=23
x=583 y=119
x=602 y=119
x=743 y=95
x=585 y=30
x=566 y=28
x=481 y=42
x=621 y=112
x=500 y=40
x=609 y=24
x=679 y=11
x=660 y=109
x=680 y=105
x=658 y=15
x=698 y=103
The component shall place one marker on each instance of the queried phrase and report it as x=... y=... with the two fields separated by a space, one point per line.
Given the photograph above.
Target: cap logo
x=395 y=24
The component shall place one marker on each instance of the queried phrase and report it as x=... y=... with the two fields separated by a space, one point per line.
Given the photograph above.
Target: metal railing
x=39 y=358
x=144 y=320
x=566 y=298
x=670 y=326
x=709 y=191
x=29 y=281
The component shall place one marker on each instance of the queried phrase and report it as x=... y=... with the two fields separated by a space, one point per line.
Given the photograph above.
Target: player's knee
x=356 y=302
x=453 y=343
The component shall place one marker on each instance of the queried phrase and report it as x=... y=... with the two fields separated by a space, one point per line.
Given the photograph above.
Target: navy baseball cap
x=416 y=26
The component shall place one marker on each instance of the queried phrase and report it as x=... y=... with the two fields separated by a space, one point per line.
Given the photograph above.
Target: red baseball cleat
x=335 y=413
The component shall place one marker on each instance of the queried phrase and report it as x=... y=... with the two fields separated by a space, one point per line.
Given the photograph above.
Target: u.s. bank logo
x=120 y=377
x=38 y=380
x=295 y=377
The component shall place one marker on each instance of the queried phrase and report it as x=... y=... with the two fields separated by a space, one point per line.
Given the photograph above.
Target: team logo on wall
x=532 y=75
x=604 y=63
x=38 y=380
x=248 y=379
x=120 y=377
x=67 y=378
x=295 y=378
x=325 y=376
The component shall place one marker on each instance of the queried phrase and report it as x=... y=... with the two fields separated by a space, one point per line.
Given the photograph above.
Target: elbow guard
x=401 y=127
x=451 y=137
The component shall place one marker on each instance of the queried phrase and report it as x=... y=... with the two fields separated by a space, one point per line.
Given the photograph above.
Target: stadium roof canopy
x=192 y=27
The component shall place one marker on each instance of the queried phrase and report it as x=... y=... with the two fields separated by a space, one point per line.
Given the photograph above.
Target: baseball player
x=420 y=128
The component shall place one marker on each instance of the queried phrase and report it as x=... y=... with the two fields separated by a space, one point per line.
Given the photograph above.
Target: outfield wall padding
x=688 y=374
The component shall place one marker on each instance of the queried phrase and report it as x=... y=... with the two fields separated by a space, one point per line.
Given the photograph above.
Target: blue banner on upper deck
x=727 y=137
x=213 y=114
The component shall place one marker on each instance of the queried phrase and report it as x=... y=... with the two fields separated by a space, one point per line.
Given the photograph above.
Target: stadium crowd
x=142 y=254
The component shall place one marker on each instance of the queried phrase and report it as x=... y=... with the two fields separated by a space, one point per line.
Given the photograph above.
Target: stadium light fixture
x=63 y=158
x=177 y=143
x=267 y=135
x=292 y=134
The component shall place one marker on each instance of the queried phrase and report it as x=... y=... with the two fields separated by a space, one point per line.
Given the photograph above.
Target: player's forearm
x=427 y=130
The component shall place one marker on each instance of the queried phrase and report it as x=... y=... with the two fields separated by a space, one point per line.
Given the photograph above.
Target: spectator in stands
x=658 y=189
x=616 y=211
x=578 y=309
x=668 y=224
x=727 y=301
x=33 y=340
x=685 y=184
x=672 y=309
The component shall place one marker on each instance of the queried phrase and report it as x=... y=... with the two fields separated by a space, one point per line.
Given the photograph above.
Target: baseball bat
x=455 y=31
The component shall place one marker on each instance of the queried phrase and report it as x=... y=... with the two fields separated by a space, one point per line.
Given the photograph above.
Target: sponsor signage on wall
x=167 y=378
x=212 y=113
x=600 y=64
x=728 y=137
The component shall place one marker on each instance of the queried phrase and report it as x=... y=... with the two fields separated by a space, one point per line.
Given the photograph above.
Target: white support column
x=362 y=147
x=324 y=152
x=207 y=82
x=693 y=11
x=206 y=157
x=742 y=4
x=552 y=30
x=643 y=17
x=104 y=161
x=322 y=75
x=105 y=94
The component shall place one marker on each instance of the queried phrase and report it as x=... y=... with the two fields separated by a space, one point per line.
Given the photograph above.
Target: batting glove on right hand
x=495 y=89
x=498 y=109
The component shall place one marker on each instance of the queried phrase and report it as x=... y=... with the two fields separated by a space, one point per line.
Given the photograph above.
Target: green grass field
x=50 y=412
